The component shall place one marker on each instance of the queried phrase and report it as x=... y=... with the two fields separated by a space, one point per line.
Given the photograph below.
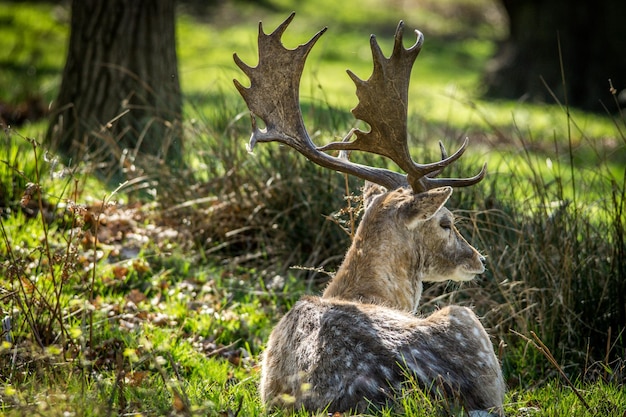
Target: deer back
x=339 y=356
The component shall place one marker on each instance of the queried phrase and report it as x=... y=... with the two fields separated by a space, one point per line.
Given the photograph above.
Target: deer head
x=403 y=240
x=406 y=235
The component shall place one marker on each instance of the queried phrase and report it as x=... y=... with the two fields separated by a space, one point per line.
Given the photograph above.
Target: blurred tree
x=592 y=38
x=120 y=97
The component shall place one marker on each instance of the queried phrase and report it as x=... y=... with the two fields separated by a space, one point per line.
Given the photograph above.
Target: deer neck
x=387 y=276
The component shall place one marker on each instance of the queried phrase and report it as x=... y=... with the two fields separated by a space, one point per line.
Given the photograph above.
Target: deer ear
x=370 y=192
x=425 y=205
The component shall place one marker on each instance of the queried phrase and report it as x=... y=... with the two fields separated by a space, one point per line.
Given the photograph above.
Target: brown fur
x=358 y=344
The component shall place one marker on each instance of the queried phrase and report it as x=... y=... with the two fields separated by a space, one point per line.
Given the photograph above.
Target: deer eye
x=445 y=224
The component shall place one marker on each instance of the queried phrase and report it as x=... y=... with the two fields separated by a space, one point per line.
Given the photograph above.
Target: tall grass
x=92 y=328
x=271 y=209
x=555 y=266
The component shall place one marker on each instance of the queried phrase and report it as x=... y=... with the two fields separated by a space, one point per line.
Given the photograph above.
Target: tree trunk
x=592 y=43
x=120 y=98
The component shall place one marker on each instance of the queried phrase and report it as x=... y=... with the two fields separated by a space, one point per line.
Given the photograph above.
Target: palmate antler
x=273 y=96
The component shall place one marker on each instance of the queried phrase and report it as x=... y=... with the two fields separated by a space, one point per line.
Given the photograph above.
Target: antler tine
x=444 y=155
x=429 y=181
x=273 y=96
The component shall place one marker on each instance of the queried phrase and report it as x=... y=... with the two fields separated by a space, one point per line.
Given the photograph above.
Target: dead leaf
x=160 y=319
x=120 y=272
x=178 y=403
x=135 y=378
x=27 y=285
x=136 y=296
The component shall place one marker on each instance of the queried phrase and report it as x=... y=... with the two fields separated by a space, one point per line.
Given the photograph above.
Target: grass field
x=157 y=297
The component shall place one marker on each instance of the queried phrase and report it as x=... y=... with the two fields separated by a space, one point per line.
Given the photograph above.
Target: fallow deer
x=359 y=343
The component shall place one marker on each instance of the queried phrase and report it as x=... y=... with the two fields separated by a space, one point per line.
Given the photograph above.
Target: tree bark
x=120 y=97
x=591 y=38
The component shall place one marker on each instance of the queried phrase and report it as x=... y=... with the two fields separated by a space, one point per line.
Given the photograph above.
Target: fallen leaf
x=120 y=272
x=136 y=296
x=135 y=378
x=178 y=403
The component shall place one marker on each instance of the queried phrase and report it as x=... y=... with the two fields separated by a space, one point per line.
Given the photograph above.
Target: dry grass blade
x=541 y=347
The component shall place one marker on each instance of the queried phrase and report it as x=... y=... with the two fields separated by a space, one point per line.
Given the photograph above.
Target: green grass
x=554 y=399
x=186 y=286
x=32 y=50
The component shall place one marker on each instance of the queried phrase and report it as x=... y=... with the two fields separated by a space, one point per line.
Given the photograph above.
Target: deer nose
x=483 y=260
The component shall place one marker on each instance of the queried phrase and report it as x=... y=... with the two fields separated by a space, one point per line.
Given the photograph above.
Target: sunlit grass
x=555 y=399
x=32 y=49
